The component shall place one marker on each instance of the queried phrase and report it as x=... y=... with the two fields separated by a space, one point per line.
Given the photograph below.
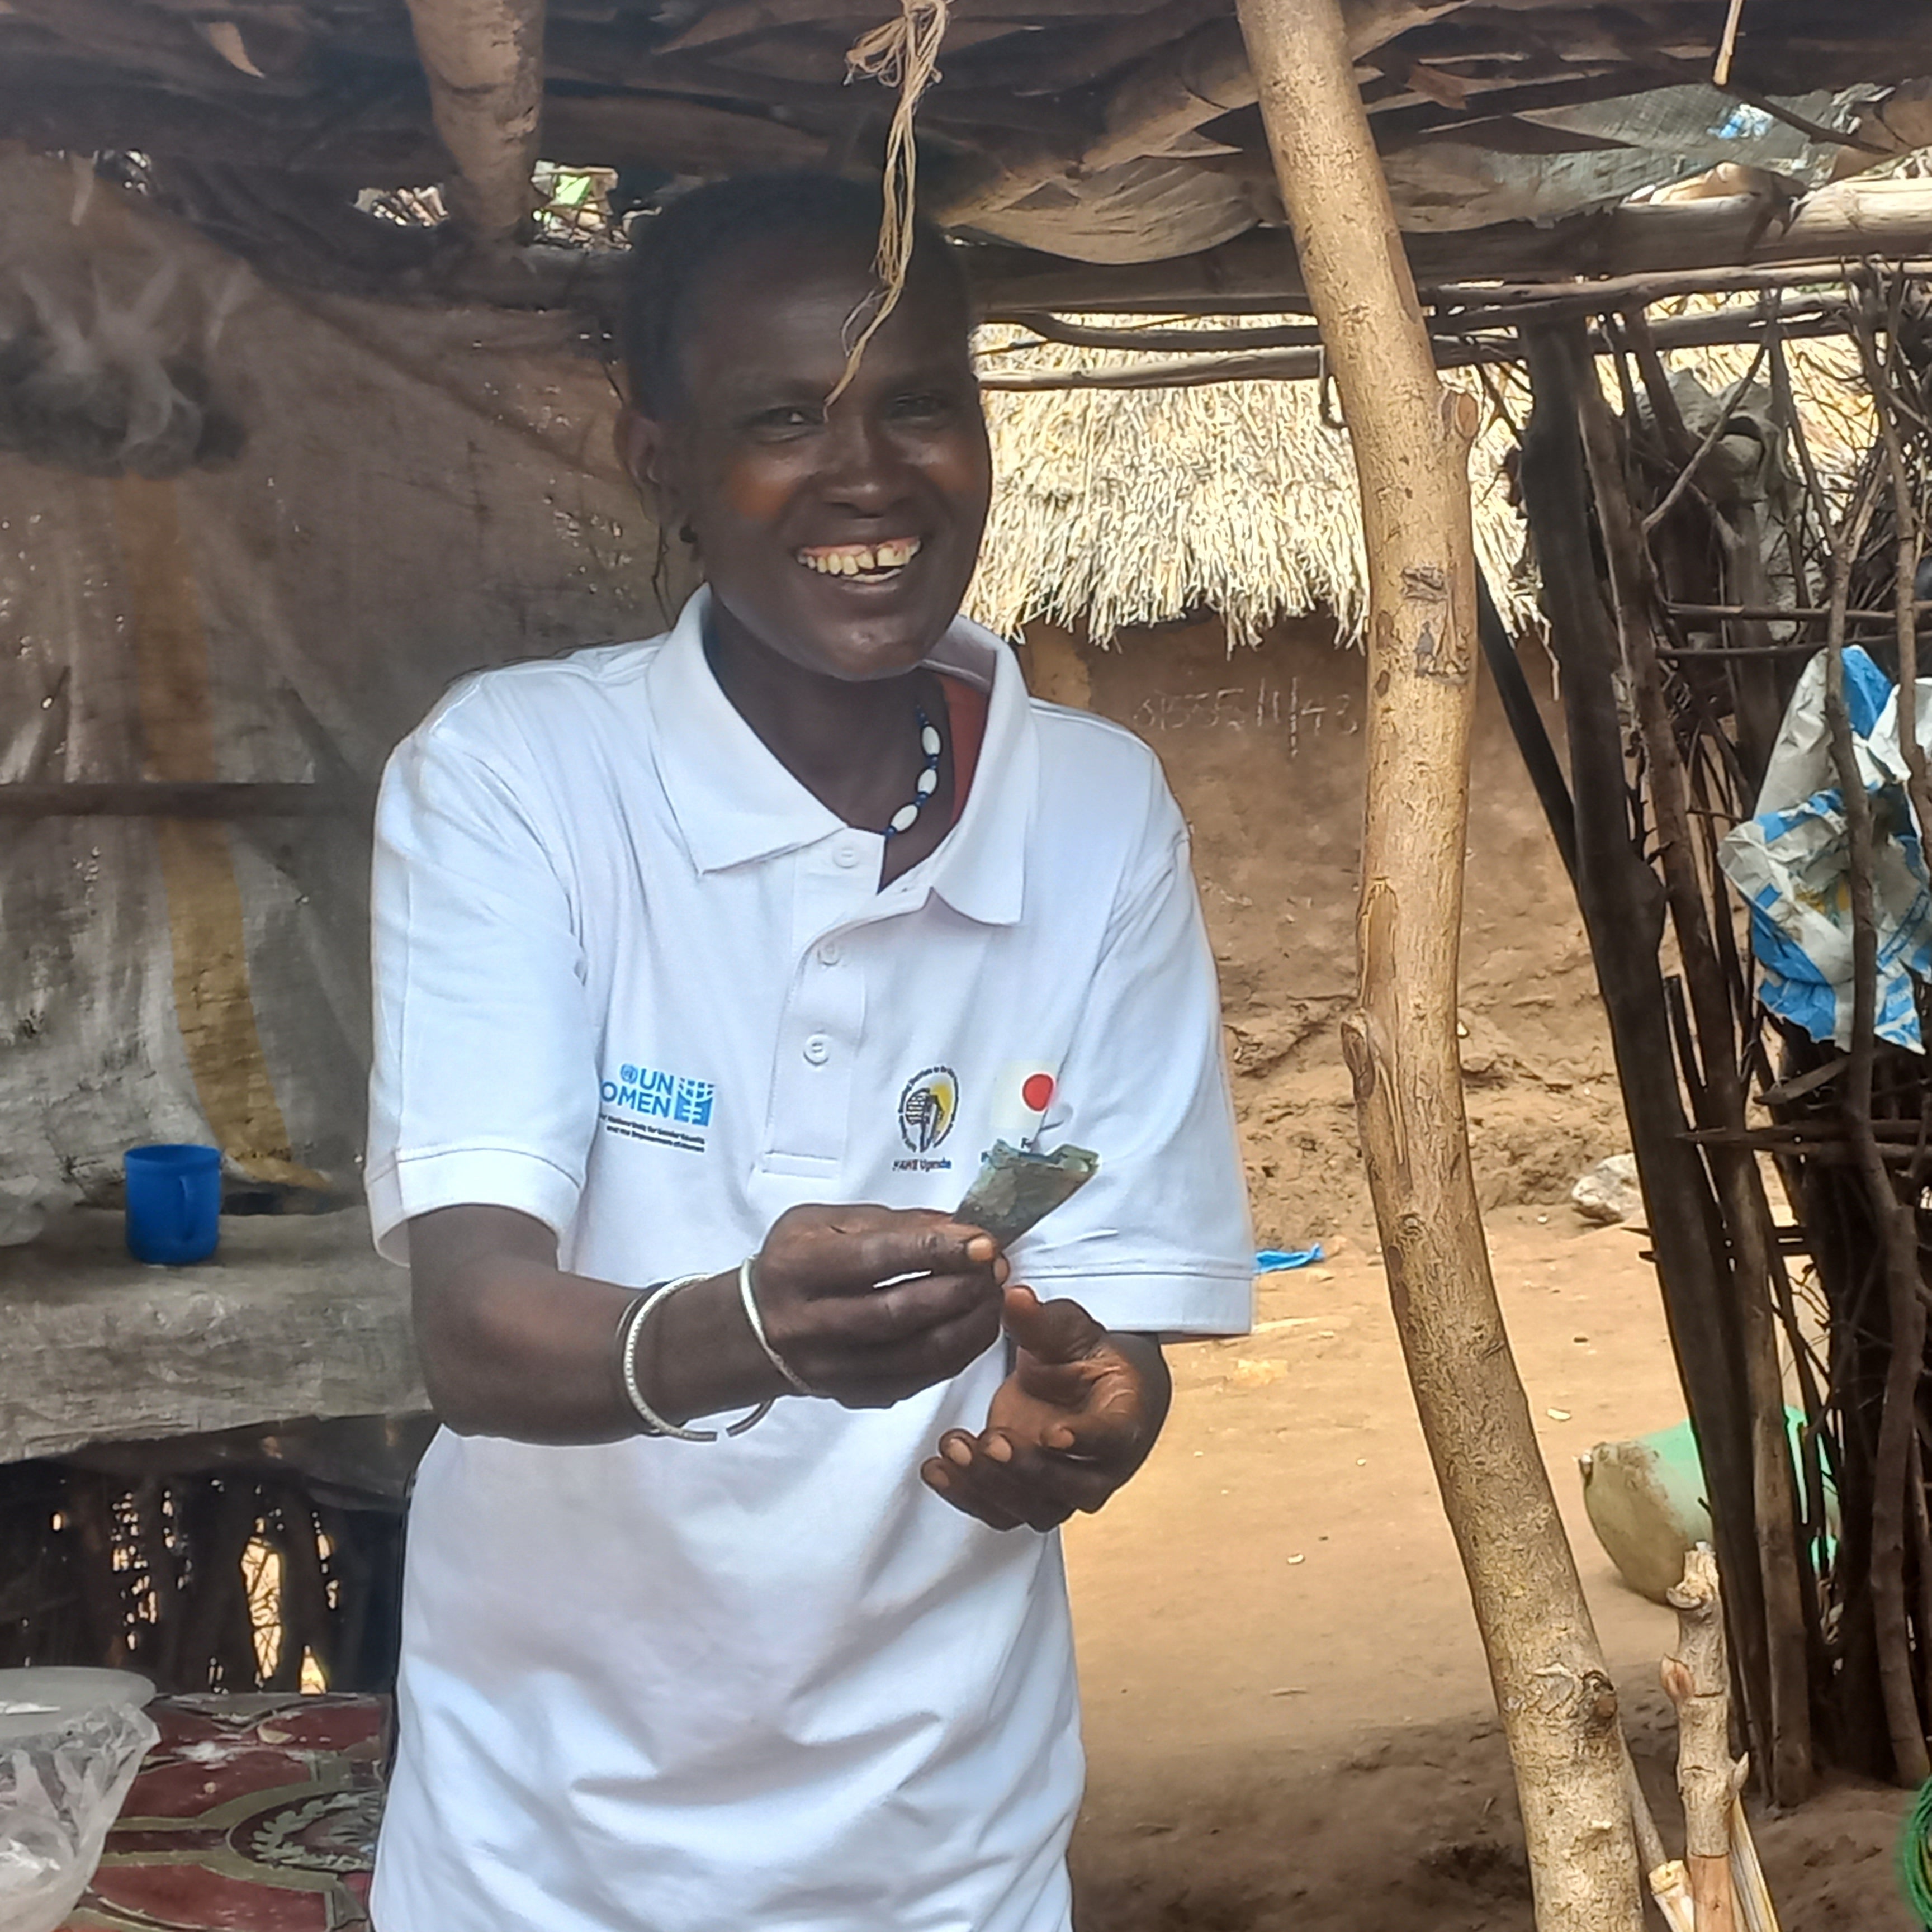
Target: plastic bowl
x=70 y=1742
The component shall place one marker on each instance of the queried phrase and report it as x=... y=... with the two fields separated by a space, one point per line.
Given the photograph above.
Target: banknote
x=1016 y=1189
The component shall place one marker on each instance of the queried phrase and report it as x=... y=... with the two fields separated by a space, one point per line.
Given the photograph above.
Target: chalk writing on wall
x=1262 y=706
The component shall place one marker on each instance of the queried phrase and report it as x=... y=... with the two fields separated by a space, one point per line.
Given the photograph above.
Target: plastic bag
x=1791 y=862
x=65 y=1773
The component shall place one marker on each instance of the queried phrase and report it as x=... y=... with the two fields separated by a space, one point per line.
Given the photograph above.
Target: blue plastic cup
x=174 y=1203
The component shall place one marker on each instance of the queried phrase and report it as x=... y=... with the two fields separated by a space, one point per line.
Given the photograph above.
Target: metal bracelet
x=627 y=1355
x=748 y=1295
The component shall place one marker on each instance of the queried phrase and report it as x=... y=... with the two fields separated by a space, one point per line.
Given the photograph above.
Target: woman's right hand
x=513 y=1346
x=869 y=1305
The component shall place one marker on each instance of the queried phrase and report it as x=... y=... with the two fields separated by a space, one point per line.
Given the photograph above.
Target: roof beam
x=1851 y=220
x=1194 y=371
x=484 y=59
x=1180 y=88
x=384 y=142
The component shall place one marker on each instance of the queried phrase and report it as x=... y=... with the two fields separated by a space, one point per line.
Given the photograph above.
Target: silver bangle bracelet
x=748 y=1295
x=627 y=1355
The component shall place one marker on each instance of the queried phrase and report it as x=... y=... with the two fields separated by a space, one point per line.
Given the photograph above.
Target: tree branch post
x=1411 y=440
x=1894 y=1222
x=484 y=59
x=1772 y=1614
x=1697 y=1681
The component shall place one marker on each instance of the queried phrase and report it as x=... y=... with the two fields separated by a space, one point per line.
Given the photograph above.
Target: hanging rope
x=904 y=54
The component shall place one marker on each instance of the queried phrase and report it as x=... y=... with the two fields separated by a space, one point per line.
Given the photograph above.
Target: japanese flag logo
x=1023 y=1093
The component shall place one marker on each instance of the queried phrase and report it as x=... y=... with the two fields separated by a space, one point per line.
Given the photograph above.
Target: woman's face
x=843 y=538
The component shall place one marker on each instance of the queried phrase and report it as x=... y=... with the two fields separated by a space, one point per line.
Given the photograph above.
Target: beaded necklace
x=931 y=744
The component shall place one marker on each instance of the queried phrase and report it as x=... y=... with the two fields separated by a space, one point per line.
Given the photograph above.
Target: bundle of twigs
x=1670 y=556
x=1868 y=1111
x=224 y=1579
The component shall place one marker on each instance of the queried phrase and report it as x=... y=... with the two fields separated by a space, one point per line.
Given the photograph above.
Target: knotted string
x=902 y=53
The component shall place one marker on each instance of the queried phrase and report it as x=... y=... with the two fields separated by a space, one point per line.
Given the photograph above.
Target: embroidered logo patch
x=928 y=1109
x=647 y=1104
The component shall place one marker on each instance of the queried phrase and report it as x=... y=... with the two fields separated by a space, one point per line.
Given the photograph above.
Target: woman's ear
x=641 y=447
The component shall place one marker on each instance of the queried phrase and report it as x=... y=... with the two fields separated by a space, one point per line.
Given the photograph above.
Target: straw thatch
x=1121 y=508
x=1116 y=509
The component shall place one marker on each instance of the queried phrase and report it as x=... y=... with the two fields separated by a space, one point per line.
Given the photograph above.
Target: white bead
x=929 y=742
x=905 y=818
x=929 y=784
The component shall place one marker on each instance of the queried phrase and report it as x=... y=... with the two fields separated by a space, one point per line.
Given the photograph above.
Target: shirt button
x=818 y=1049
x=830 y=953
x=846 y=855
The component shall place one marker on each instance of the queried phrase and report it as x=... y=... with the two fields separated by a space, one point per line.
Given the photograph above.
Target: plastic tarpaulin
x=1791 y=862
x=1593 y=156
x=418 y=493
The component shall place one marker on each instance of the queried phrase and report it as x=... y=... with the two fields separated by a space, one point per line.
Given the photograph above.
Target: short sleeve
x=1160 y=1241
x=483 y=1089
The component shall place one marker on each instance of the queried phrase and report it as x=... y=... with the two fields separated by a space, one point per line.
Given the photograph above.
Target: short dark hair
x=670 y=251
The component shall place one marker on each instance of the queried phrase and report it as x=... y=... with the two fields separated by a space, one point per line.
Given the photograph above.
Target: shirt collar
x=734 y=802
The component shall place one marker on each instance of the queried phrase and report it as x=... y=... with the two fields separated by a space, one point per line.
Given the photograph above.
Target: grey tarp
x=420 y=492
x=1540 y=165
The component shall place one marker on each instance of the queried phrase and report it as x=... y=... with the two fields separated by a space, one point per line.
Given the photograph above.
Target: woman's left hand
x=1073 y=1421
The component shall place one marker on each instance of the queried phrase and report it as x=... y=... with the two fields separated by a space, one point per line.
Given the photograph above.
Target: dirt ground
x=1289 y=1719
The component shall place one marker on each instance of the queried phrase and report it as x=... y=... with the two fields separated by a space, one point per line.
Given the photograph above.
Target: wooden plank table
x=294 y=1316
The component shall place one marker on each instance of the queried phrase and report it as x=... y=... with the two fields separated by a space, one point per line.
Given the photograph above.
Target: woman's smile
x=839 y=534
x=878 y=562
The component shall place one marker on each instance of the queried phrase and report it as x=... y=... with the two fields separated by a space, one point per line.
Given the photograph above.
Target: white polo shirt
x=632 y=979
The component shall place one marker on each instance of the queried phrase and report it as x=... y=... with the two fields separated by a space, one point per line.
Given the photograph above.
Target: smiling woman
x=838 y=536
x=803 y=905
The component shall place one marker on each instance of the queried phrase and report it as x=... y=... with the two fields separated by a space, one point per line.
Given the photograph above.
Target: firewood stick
x=1756 y=1912
x=1669 y=1882
x=1697 y=1681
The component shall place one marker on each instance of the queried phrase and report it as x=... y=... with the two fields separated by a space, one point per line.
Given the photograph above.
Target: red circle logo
x=1038 y=1092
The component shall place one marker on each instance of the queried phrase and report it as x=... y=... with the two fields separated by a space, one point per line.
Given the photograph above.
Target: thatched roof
x=1120 y=508
x=1123 y=507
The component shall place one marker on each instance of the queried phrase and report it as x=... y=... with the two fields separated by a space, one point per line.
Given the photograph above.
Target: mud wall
x=1264 y=751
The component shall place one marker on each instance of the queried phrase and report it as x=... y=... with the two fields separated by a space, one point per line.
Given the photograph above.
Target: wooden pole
x=1411 y=440
x=484 y=59
x=1886 y=220
x=1697 y=1681
x=1200 y=367
x=1623 y=905
x=1772 y=1612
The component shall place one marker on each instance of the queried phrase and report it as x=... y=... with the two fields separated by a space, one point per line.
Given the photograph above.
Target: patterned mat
x=252 y=1814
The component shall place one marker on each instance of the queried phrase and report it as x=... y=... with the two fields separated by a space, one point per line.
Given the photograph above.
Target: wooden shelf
x=294 y=1315
x=155 y=798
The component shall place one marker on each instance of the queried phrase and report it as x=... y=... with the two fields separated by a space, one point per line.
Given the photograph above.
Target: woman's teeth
x=860 y=559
